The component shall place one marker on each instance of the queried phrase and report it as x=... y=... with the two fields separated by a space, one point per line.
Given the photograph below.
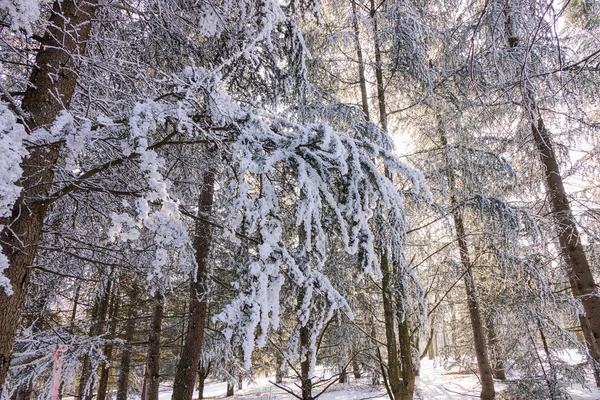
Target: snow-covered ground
x=435 y=383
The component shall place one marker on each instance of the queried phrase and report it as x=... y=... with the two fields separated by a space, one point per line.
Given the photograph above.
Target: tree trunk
x=393 y=364
x=229 y=392
x=483 y=361
x=496 y=358
x=361 y=64
x=108 y=350
x=152 y=374
x=185 y=376
x=305 y=378
x=203 y=372
x=123 y=383
x=52 y=85
x=582 y=281
x=408 y=370
x=87 y=381
x=356 y=369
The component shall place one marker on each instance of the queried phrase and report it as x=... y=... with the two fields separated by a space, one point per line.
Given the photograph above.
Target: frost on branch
x=340 y=192
x=12 y=152
x=21 y=13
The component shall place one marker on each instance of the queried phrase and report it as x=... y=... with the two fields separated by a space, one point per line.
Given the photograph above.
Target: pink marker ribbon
x=57 y=360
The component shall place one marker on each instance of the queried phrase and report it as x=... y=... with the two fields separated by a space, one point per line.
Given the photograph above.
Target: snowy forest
x=299 y=199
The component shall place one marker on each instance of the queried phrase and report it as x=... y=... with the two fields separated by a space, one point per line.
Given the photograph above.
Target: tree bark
x=305 y=378
x=86 y=383
x=203 y=372
x=51 y=88
x=361 y=64
x=125 y=366
x=152 y=374
x=582 y=281
x=393 y=364
x=483 y=361
x=496 y=358
x=187 y=368
x=108 y=350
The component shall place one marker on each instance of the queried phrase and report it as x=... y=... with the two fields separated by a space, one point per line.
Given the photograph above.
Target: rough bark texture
x=151 y=380
x=187 y=369
x=52 y=85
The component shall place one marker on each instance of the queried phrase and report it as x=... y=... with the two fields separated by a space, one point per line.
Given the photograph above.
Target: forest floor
x=435 y=383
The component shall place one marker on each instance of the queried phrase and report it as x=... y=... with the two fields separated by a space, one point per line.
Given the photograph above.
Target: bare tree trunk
x=152 y=374
x=496 y=358
x=356 y=369
x=185 y=376
x=52 y=85
x=582 y=281
x=361 y=64
x=229 y=392
x=393 y=364
x=305 y=378
x=483 y=361
x=124 y=368
x=108 y=350
x=408 y=370
x=87 y=381
x=479 y=341
x=203 y=372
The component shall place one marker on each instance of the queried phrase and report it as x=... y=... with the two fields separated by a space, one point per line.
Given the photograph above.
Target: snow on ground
x=435 y=383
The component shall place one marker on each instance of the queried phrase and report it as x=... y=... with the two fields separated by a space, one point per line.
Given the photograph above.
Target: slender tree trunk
x=483 y=361
x=361 y=64
x=582 y=281
x=356 y=369
x=185 y=376
x=305 y=378
x=479 y=338
x=374 y=372
x=393 y=364
x=87 y=381
x=152 y=374
x=52 y=85
x=203 y=372
x=125 y=366
x=496 y=358
x=408 y=370
x=108 y=350
x=229 y=392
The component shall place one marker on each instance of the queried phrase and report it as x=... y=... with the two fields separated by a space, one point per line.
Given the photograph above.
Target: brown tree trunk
x=305 y=378
x=483 y=361
x=152 y=374
x=479 y=339
x=86 y=383
x=582 y=281
x=52 y=85
x=361 y=64
x=185 y=376
x=125 y=366
x=496 y=358
x=108 y=350
x=408 y=370
x=203 y=372
x=393 y=364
